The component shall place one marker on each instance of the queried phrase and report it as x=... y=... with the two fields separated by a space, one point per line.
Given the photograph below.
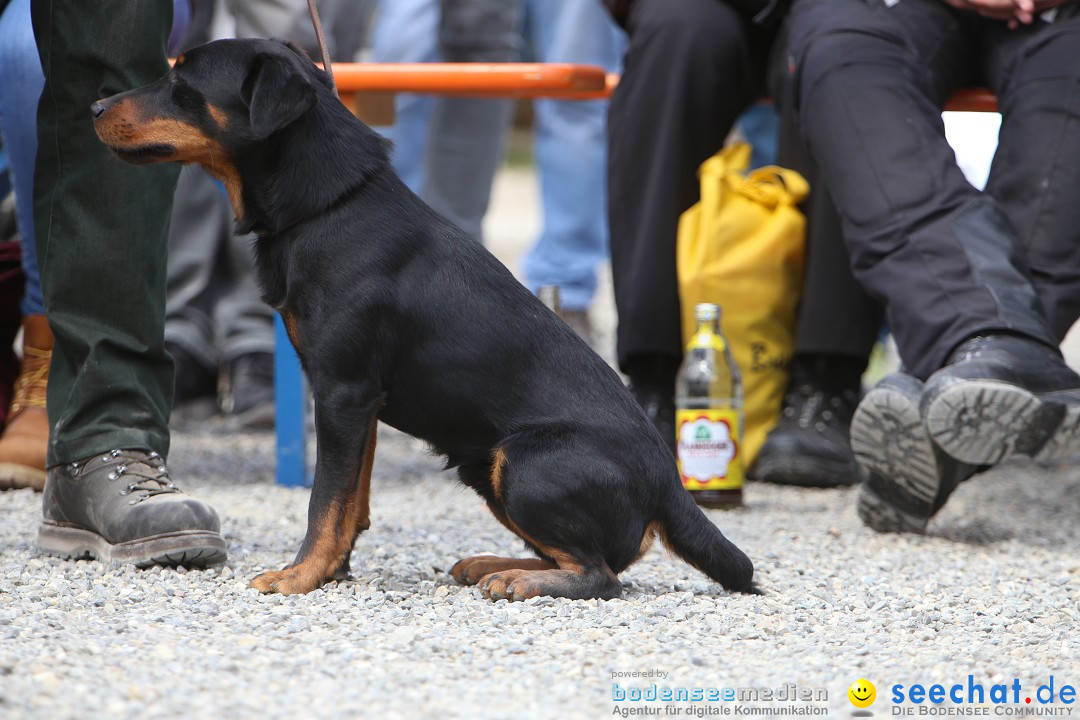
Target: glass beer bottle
x=709 y=416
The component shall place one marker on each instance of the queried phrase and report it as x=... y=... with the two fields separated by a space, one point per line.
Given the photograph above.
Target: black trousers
x=691 y=68
x=836 y=315
x=948 y=261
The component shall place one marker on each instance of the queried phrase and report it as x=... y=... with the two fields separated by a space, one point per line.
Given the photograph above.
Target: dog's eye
x=184 y=96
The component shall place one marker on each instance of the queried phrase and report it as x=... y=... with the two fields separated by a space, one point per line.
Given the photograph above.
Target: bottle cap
x=704 y=312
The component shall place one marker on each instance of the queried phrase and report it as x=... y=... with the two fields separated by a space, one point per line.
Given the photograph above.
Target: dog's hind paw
x=472 y=569
x=512 y=585
x=520 y=584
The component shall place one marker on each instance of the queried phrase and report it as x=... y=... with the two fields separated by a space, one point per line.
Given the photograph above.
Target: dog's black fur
x=399 y=316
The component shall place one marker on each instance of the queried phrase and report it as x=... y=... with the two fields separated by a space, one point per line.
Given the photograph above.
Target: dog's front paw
x=290 y=581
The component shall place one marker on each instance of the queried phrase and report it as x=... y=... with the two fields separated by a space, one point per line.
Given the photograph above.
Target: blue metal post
x=290 y=410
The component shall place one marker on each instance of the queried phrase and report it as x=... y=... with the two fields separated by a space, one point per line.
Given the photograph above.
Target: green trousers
x=102 y=229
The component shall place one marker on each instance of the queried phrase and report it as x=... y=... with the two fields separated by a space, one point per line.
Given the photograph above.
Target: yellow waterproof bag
x=742 y=247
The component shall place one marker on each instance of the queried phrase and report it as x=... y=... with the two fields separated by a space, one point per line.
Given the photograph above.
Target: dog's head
x=217 y=99
x=226 y=105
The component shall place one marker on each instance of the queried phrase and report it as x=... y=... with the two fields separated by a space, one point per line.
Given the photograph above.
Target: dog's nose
x=97 y=108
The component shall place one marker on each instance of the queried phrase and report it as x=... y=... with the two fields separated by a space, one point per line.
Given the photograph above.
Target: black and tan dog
x=400 y=317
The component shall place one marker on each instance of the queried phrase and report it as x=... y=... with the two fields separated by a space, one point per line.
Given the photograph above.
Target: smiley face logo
x=862 y=693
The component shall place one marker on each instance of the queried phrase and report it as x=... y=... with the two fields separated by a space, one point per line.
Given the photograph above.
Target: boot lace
x=145 y=474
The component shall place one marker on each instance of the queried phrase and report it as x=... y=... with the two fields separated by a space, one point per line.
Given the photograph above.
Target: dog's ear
x=295 y=48
x=276 y=93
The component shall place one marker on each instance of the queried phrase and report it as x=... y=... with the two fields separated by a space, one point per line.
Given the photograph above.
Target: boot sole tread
x=983 y=422
x=190 y=549
x=889 y=441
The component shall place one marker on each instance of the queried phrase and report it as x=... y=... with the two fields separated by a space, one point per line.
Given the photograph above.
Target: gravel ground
x=992 y=591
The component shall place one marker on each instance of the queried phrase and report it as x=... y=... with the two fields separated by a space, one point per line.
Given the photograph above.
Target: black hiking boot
x=1003 y=395
x=809 y=447
x=908 y=479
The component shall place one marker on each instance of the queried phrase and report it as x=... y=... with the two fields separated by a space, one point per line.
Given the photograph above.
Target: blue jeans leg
x=466 y=135
x=408 y=31
x=570 y=143
x=21 y=81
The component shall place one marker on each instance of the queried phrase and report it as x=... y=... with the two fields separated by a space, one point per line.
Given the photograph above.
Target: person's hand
x=1037 y=6
x=1041 y=5
x=1013 y=12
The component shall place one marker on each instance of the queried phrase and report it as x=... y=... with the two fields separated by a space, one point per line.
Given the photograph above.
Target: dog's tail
x=686 y=531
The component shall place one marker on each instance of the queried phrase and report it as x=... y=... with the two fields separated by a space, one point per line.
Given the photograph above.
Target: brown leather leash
x=321 y=38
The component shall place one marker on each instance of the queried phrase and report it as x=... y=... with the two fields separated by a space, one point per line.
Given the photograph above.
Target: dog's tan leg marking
x=362 y=495
x=335 y=534
x=323 y=557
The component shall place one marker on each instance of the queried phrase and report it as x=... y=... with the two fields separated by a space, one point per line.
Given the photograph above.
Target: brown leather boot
x=26 y=437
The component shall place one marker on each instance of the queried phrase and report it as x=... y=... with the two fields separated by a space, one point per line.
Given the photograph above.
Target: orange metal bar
x=525 y=80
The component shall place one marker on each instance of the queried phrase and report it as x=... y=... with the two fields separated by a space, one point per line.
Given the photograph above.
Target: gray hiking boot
x=122 y=506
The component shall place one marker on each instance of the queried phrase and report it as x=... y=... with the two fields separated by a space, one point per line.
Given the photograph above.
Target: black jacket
x=760 y=12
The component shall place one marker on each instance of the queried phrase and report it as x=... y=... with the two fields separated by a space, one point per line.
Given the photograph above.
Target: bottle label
x=708 y=449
